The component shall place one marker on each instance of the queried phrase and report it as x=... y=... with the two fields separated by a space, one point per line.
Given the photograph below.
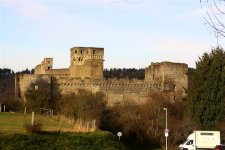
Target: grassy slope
x=14 y=122
x=14 y=136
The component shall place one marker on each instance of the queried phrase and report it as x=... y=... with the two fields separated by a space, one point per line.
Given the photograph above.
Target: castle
x=86 y=72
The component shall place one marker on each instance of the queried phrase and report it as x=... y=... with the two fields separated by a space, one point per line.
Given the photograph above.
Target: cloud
x=27 y=8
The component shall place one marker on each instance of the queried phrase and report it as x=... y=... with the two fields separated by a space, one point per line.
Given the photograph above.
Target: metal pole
x=166 y=128
x=166 y=118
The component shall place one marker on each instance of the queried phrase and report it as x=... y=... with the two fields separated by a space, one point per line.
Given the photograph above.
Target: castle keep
x=86 y=72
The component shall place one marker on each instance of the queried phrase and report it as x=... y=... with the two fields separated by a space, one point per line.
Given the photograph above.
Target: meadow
x=13 y=135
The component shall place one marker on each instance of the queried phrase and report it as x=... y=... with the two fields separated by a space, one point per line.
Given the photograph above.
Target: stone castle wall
x=27 y=82
x=86 y=72
x=114 y=89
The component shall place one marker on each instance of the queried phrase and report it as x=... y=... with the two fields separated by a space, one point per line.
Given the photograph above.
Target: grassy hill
x=11 y=123
x=13 y=135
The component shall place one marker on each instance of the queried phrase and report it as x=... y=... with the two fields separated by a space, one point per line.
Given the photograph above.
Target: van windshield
x=185 y=141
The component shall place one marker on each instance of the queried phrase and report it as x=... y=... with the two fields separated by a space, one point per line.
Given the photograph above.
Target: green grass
x=13 y=135
x=11 y=123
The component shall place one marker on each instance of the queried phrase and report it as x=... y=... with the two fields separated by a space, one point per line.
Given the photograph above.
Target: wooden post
x=60 y=124
x=25 y=110
x=4 y=107
x=32 y=119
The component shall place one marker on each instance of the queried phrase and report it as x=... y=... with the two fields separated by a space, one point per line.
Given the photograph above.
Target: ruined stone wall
x=86 y=72
x=27 y=82
x=115 y=90
x=46 y=65
x=172 y=75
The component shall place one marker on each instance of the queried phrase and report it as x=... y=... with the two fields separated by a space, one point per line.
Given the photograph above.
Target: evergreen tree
x=206 y=96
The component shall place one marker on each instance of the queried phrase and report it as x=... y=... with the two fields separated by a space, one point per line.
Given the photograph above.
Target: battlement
x=79 y=54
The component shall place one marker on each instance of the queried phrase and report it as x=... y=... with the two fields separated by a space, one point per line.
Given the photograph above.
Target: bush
x=35 y=128
x=99 y=140
x=84 y=105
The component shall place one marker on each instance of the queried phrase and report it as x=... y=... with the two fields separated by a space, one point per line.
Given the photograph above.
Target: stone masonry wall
x=27 y=82
x=86 y=72
x=115 y=90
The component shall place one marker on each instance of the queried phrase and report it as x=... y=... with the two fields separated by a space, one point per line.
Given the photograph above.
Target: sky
x=133 y=33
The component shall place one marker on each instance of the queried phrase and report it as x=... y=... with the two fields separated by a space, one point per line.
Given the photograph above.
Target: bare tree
x=215 y=15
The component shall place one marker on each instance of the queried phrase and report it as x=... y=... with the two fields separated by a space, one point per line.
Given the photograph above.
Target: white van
x=201 y=140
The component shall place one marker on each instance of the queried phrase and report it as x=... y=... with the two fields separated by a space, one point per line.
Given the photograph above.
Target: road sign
x=166 y=132
x=119 y=134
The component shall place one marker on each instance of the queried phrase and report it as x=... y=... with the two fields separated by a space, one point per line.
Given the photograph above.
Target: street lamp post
x=166 y=130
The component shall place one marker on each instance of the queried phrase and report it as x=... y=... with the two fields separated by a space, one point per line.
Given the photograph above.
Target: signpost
x=166 y=132
x=119 y=134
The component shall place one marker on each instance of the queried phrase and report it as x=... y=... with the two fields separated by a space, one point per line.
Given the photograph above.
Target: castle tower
x=46 y=65
x=86 y=62
x=173 y=76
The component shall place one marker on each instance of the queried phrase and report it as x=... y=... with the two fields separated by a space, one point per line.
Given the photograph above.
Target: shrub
x=35 y=128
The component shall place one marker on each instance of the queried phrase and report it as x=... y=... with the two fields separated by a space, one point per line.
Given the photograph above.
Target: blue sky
x=134 y=33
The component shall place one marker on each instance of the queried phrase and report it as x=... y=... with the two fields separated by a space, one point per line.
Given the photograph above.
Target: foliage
x=53 y=140
x=36 y=99
x=143 y=125
x=26 y=71
x=206 y=96
x=124 y=73
x=5 y=73
x=12 y=105
x=35 y=128
x=83 y=104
